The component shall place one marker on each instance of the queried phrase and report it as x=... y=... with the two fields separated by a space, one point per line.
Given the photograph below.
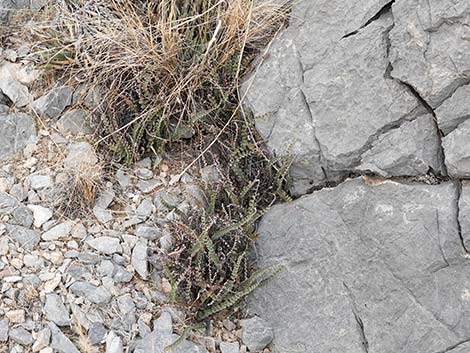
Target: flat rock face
x=17 y=130
x=374 y=266
x=430 y=47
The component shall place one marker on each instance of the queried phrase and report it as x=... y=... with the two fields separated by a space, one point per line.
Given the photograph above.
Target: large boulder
x=370 y=266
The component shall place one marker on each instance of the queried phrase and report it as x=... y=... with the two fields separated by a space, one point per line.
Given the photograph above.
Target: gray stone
x=315 y=89
x=421 y=53
x=121 y=275
x=139 y=259
x=155 y=342
x=59 y=231
x=16 y=92
x=20 y=215
x=97 y=295
x=75 y=121
x=56 y=311
x=96 y=333
x=60 y=342
x=27 y=238
x=229 y=347
x=17 y=130
x=256 y=334
x=113 y=343
x=164 y=324
x=412 y=149
x=38 y=182
x=464 y=213
x=42 y=340
x=81 y=157
x=21 y=336
x=54 y=102
x=147 y=232
x=4 y=109
x=3 y=330
x=106 y=245
x=454 y=110
x=364 y=262
x=457 y=151
x=40 y=214
x=145 y=208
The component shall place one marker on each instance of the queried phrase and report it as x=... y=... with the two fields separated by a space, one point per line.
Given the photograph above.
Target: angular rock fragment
x=363 y=260
x=16 y=92
x=457 y=151
x=97 y=295
x=430 y=49
x=60 y=342
x=20 y=215
x=54 y=102
x=410 y=150
x=256 y=334
x=27 y=238
x=74 y=122
x=17 y=130
x=455 y=110
x=21 y=336
x=56 y=311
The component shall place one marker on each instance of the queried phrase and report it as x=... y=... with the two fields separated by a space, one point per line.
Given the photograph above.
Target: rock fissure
x=359 y=322
x=457 y=214
x=385 y=9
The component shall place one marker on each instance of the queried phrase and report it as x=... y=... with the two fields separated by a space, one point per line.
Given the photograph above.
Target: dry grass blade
x=169 y=66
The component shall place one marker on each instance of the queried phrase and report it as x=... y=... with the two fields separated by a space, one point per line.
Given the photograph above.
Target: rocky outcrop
x=374 y=266
x=347 y=78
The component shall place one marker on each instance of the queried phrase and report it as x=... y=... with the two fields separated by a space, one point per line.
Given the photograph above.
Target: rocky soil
x=371 y=97
x=74 y=280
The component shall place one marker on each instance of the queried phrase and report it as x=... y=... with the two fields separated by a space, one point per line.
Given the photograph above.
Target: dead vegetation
x=170 y=72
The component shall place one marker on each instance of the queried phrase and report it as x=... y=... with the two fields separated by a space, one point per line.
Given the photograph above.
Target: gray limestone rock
x=430 y=49
x=96 y=333
x=457 y=151
x=97 y=295
x=81 y=156
x=464 y=213
x=139 y=259
x=27 y=238
x=106 y=245
x=20 y=214
x=21 y=336
x=322 y=99
x=16 y=92
x=156 y=342
x=3 y=330
x=56 y=311
x=113 y=343
x=17 y=130
x=60 y=342
x=54 y=102
x=229 y=347
x=256 y=333
x=75 y=121
x=364 y=262
x=454 y=110
x=409 y=150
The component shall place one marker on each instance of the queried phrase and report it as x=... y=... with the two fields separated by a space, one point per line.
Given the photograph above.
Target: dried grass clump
x=171 y=67
x=78 y=189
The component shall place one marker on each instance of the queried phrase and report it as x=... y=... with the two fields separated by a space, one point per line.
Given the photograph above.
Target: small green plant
x=209 y=266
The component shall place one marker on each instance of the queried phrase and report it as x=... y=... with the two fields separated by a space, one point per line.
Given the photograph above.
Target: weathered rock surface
x=454 y=110
x=17 y=130
x=409 y=150
x=54 y=102
x=457 y=151
x=374 y=266
x=430 y=47
x=325 y=99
